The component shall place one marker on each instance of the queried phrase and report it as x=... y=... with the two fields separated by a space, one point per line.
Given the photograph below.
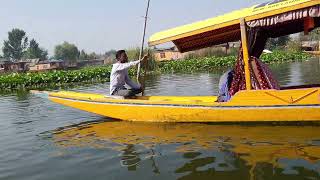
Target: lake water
x=43 y=140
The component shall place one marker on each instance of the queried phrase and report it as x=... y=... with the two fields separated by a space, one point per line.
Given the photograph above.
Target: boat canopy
x=279 y=17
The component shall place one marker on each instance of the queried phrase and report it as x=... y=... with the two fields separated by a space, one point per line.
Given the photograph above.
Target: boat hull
x=306 y=109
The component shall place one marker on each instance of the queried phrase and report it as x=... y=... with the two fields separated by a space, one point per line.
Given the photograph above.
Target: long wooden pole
x=244 y=41
x=143 y=39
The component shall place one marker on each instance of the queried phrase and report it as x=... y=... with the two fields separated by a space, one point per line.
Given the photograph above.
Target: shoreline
x=100 y=74
x=316 y=53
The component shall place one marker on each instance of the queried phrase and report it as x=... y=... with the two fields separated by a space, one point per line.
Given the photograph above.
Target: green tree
x=93 y=56
x=133 y=53
x=314 y=35
x=294 y=45
x=83 y=55
x=44 y=54
x=110 y=53
x=34 y=51
x=278 y=43
x=67 y=52
x=16 y=45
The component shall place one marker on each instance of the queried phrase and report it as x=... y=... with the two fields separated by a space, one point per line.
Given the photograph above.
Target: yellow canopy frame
x=227 y=28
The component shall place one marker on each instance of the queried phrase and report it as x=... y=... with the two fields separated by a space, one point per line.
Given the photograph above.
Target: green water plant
x=102 y=73
x=283 y=56
x=34 y=80
x=212 y=63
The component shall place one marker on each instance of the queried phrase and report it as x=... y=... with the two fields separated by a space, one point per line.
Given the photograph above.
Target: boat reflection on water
x=204 y=150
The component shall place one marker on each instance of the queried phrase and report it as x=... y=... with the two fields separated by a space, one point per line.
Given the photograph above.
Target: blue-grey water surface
x=42 y=140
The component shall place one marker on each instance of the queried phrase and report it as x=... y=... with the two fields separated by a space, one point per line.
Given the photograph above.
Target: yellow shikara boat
x=278 y=18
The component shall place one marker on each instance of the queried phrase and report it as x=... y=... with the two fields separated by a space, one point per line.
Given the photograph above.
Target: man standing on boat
x=119 y=76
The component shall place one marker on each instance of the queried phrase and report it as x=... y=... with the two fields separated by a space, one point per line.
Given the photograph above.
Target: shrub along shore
x=101 y=74
x=210 y=63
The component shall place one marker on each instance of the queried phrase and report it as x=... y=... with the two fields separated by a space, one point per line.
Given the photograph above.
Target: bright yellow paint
x=245 y=106
x=252 y=13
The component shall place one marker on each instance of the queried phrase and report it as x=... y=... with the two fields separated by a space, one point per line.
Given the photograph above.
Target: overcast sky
x=101 y=25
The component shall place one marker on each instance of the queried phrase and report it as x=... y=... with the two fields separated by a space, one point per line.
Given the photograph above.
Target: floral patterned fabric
x=239 y=80
x=261 y=76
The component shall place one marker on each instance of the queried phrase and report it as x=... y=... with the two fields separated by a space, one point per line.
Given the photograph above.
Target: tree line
x=18 y=47
x=293 y=42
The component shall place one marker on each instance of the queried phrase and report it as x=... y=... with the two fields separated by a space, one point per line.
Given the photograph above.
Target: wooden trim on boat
x=245 y=51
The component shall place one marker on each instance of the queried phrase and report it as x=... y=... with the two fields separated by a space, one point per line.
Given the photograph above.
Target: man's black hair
x=118 y=54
